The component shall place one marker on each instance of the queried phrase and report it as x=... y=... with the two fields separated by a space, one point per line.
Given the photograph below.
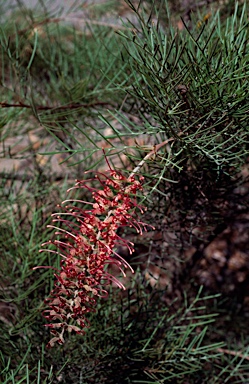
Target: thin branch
x=151 y=153
x=27 y=177
x=73 y=18
x=233 y=353
x=3 y=104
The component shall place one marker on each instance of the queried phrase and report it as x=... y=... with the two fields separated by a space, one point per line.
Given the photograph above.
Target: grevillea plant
x=87 y=242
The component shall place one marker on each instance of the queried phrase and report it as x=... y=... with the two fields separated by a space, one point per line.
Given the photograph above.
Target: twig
x=3 y=104
x=72 y=18
x=151 y=153
x=233 y=353
x=27 y=177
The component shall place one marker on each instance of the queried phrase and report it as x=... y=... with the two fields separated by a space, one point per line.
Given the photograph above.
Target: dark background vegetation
x=125 y=76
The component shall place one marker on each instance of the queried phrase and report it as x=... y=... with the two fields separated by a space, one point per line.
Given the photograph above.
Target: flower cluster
x=88 y=238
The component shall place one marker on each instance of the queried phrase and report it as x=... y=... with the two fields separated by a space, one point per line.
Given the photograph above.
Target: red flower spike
x=86 y=247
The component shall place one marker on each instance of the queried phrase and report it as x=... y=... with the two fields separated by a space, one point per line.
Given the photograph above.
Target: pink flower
x=88 y=238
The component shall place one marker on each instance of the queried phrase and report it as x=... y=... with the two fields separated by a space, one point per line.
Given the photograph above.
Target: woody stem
x=151 y=153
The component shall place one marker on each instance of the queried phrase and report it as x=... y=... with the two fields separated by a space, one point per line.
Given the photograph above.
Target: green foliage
x=78 y=90
x=192 y=85
x=148 y=339
x=61 y=76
